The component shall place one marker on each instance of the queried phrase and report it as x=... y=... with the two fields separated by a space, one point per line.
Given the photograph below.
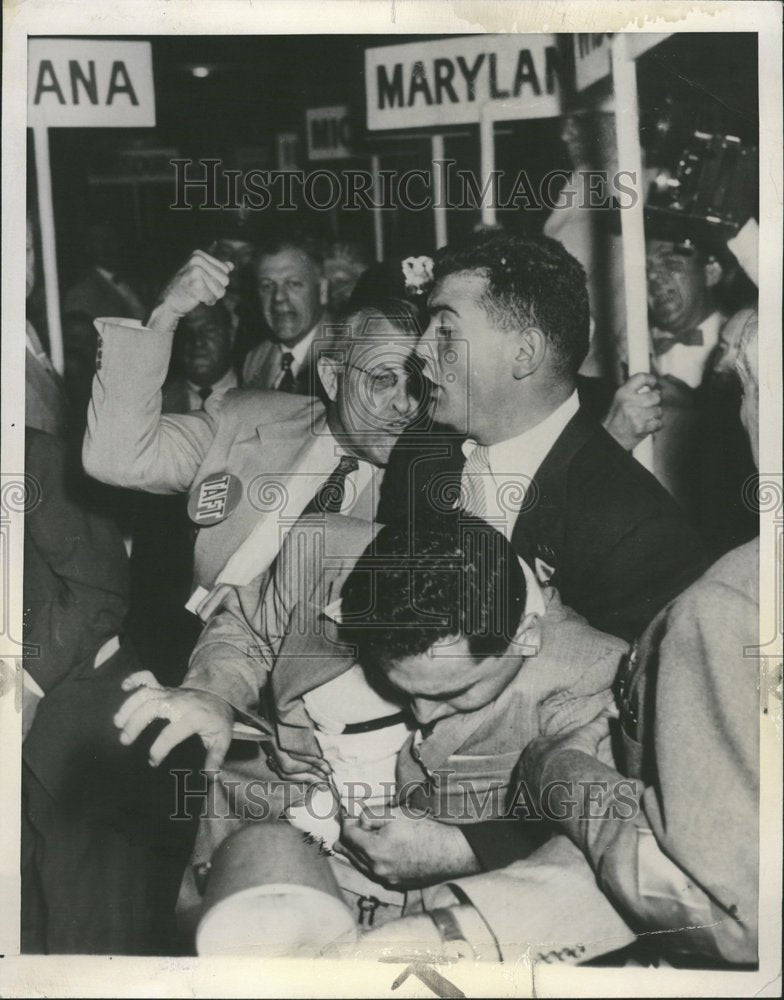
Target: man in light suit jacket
x=294 y=292
x=525 y=665
x=252 y=460
x=162 y=554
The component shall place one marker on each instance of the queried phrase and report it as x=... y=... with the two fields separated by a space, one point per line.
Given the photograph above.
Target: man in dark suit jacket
x=508 y=332
x=99 y=862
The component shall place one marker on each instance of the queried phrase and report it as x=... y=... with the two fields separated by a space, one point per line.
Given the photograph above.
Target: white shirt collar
x=687 y=361
x=513 y=465
x=522 y=455
x=299 y=350
x=227 y=381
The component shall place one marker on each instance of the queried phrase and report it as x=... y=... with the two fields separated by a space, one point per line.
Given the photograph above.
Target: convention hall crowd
x=359 y=625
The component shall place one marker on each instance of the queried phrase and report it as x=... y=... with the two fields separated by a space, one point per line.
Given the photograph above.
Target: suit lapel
x=453 y=732
x=538 y=531
x=277 y=498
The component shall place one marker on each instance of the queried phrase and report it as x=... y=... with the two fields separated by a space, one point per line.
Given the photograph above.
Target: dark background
x=261 y=85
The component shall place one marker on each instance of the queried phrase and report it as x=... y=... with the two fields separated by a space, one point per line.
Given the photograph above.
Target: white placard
x=446 y=82
x=90 y=84
x=592 y=53
x=288 y=146
x=591 y=58
x=328 y=133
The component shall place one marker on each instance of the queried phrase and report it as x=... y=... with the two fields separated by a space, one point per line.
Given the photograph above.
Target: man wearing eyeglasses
x=252 y=461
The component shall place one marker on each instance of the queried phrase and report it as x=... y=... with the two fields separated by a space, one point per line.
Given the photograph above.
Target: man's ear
x=713 y=273
x=528 y=638
x=530 y=347
x=329 y=372
x=324 y=291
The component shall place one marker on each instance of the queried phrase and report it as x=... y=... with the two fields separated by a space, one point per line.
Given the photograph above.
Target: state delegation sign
x=447 y=82
x=329 y=133
x=90 y=84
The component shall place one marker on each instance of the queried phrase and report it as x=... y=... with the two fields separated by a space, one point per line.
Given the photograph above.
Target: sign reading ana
x=329 y=133
x=446 y=82
x=90 y=84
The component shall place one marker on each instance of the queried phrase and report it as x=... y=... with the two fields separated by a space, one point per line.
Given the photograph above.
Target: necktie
x=664 y=340
x=287 y=383
x=204 y=392
x=330 y=495
x=476 y=481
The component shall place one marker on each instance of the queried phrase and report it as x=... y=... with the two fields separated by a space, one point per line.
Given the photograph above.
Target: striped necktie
x=476 y=481
x=287 y=383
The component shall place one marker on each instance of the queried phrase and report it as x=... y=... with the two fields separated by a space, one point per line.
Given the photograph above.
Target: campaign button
x=214 y=499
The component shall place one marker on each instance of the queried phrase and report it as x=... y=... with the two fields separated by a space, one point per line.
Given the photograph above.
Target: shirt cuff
x=102 y=322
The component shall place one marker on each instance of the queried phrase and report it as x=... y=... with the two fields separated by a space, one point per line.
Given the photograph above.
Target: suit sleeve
x=584 y=693
x=657 y=559
x=669 y=854
x=237 y=649
x=76 y=571
x=128 y=442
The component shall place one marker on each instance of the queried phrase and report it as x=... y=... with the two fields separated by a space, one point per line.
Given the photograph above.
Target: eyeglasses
x=383 y=379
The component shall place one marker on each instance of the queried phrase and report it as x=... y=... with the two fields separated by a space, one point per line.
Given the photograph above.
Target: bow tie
x=665 y=340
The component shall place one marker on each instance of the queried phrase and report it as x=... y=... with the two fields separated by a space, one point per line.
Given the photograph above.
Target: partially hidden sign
x=447 y=82
x=329 y=133
x=90 y=84
x=592 y=58
x=593 y=53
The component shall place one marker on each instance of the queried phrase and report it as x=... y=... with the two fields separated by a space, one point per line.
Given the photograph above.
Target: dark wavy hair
x=464 y=579
x=530 y=282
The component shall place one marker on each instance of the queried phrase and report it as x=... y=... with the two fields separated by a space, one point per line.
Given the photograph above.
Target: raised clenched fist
x=202 y=279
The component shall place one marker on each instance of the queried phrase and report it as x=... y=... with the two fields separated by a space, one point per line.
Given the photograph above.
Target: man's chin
x=288 y=331
x=444 y=415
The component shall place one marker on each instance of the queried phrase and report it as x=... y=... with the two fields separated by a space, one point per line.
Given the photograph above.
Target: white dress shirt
x=687 y=362
x=515 y=462
x=228 y=381
x=300 y=352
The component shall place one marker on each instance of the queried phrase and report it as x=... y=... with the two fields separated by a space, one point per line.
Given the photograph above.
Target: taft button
x=214 y=499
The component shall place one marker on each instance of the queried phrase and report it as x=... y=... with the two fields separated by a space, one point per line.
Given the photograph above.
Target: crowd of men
x=452 y=671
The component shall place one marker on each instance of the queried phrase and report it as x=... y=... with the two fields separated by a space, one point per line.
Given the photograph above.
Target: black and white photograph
x=392 y=513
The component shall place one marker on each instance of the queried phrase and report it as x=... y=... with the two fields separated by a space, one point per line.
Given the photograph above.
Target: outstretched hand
x=189 y=712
